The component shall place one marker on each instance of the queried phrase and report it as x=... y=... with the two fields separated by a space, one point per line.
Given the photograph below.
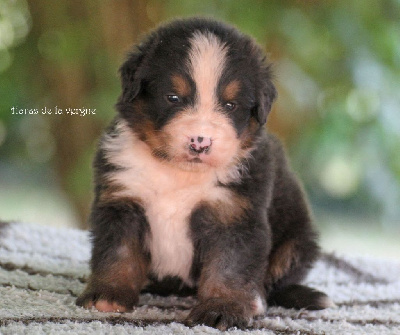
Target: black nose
x=199 y=144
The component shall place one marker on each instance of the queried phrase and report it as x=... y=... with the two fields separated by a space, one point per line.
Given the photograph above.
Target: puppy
x=191 y=192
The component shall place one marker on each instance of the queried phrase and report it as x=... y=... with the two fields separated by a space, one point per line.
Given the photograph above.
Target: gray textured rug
x=42 y=271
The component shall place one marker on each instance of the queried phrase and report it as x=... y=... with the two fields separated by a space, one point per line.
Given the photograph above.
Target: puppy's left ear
x=131 y=77
x=266 y=96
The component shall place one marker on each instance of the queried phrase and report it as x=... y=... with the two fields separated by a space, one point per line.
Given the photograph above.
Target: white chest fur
x=168 y=196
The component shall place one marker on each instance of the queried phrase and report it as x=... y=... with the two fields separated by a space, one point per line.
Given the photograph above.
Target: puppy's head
x=196 y=92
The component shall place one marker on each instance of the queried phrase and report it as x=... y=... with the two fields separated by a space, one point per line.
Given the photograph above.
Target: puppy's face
x=196 y=96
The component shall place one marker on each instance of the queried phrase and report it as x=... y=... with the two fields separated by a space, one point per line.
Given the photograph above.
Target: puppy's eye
x=173 y=98
x=230 y=106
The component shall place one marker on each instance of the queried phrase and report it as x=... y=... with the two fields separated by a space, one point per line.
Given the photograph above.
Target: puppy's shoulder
x=269 y=151
x=274 y=145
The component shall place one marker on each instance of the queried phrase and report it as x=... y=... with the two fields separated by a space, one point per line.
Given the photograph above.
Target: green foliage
x=337 y=66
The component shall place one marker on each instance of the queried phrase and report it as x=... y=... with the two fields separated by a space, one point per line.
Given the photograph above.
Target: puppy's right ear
x=131 y=76
x=266 y=95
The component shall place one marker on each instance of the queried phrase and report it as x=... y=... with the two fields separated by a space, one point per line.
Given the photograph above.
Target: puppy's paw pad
x=107 y=306
x=110 y=303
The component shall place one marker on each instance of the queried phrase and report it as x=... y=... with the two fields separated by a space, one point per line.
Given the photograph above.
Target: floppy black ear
x=131 y=76
x=266 y=96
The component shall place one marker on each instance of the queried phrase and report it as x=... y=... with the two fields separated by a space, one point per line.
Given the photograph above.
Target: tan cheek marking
x=231 y=90
x=247 y=140
x=156 y=140
x=181 y=85
x=139 y=106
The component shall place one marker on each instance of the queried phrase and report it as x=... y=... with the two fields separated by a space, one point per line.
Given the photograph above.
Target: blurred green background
x=337 y=66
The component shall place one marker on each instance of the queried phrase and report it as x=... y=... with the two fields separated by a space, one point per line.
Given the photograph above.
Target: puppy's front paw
x=108 y=300
x=107 y=306
x=219 y=313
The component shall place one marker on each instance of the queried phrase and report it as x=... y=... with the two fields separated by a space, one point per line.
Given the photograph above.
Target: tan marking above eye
x=231 y=90
x=180 y=85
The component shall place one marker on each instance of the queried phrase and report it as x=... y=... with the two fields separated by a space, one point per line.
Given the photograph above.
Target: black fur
x=141 y=72
x=263 y=246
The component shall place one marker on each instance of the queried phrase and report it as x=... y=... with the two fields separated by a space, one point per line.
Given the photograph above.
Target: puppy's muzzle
x=199 y=145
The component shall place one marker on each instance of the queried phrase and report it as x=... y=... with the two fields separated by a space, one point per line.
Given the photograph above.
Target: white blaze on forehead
x=207 y=58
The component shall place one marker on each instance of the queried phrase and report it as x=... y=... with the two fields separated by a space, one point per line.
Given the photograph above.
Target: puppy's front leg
x=119 y=264
x=230 y=288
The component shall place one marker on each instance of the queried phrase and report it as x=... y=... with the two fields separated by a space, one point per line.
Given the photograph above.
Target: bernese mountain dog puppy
x=191 y=192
